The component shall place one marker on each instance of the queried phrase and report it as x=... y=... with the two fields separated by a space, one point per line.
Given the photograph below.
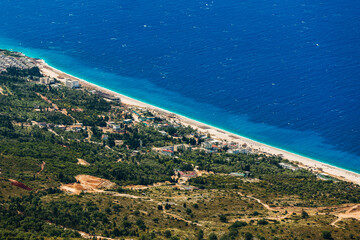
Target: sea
x=281 y=72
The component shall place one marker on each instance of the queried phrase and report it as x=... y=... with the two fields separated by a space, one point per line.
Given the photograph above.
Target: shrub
x=212 y=236
x=223 y=218
x=238 y=224
x=326 y=235
x=262 y=222
x=167 y=233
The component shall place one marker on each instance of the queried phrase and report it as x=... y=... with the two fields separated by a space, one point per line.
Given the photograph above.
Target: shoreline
x=216 y=133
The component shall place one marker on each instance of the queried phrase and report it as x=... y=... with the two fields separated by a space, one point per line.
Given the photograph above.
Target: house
x=182 y=147
x=206 y=145
x=37 y=108
x=237 y=174
x=119 y=142
x=75 y=128
x=46 y=80
x=77 y=109
x=42 y=124
x=245 y=151
x=163 y=133
x=186 y=176
x=110 y=124
x=169 y=148
x=55 y=86
x=116 y=127
x=62 y=127
x=234 y=151
x=104 y=137
x=188 y=188
x=167 y=152
x=324 y=177
x=288 y=166
x=128 y=121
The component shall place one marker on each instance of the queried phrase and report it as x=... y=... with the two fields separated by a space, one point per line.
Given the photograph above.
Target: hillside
x=77 y=164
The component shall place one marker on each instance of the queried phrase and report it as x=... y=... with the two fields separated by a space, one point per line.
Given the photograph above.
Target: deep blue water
x=283 y=72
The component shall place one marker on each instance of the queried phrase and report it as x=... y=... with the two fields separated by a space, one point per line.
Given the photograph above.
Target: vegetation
x=44 y=131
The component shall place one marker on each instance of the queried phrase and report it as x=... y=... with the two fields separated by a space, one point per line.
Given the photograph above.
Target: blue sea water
x=282 y=72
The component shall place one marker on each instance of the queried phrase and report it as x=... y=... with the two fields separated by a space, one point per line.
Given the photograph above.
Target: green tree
x=167 y=233
x=326 y=235
x=223 y=218
x=200 y=234
x=248 y=236
x=212 y=236
x=304 y=214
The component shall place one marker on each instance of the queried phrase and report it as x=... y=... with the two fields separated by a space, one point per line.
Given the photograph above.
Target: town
x=78 y=162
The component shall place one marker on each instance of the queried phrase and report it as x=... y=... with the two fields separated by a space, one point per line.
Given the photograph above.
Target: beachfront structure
x=107 y=96
x=72 y=83
x=288 y=166
x=245 y=151
x=47 y=80
x=17 y=60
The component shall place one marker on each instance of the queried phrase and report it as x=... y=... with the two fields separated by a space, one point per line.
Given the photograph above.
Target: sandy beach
x=216 y=133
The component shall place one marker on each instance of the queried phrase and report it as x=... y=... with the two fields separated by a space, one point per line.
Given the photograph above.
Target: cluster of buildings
x=170 y=150
x=183 y=177
x=76 y=127
x=42 y=124
x=116 y=127
x=47 y=80
x=213 y=146
x=14 y=59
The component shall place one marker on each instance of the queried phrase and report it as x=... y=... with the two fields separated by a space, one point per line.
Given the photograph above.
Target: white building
x=116 y=127
x=72 y=83
x=46 y=80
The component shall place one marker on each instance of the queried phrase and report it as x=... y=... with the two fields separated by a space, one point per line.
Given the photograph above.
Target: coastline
x=216 y=133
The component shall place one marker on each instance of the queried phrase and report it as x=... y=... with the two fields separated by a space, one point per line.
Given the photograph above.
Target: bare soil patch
x=83 y=162
x=87 y=183
x=19 y=184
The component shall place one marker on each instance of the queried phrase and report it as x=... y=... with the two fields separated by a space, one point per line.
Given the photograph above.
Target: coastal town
x=138 y=171
x=140 y=115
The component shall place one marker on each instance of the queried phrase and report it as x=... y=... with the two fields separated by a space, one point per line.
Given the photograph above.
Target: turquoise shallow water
x=282 y=73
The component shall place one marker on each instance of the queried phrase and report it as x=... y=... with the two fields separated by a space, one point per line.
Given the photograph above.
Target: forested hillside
x=157 y=181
